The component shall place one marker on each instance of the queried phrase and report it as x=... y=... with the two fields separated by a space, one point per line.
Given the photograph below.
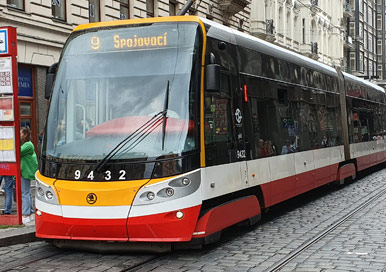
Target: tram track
x=315 y=239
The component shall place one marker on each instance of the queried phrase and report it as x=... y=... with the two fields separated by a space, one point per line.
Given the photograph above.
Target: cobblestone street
x=358 y=244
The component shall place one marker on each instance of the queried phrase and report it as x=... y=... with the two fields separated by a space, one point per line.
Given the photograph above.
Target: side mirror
x=212 y=78
x=51 y=73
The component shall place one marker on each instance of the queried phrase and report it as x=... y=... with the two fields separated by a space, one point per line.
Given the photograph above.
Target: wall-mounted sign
x=3 y=41
x=6 y=75
x=24 y=76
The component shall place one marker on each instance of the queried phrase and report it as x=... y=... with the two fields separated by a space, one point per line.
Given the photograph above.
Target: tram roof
x=234 y=36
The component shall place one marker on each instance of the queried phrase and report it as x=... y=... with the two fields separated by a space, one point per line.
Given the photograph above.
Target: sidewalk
x=17 y=234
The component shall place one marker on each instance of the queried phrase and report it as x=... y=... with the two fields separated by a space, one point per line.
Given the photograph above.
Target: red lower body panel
x=370 y=160
x=163 y=227
x=57 y=227
x=280 y=190
x=227 y=215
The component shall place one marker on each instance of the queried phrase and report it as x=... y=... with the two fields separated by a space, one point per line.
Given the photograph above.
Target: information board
x=7 y=144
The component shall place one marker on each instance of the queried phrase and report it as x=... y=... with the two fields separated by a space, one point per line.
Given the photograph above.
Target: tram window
x=296 y=73
x=282 y=95
x=367 y=121
x=270 y=67
x=223 y=57
x=250 y=61
x=283 y=70
x=225 y=83
x=218 y=130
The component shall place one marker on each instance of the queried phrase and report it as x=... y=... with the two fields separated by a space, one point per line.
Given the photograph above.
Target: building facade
x=313 y=28
x=363 y=28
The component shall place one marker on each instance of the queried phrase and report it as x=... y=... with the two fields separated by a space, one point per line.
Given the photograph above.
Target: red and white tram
x=172 y=129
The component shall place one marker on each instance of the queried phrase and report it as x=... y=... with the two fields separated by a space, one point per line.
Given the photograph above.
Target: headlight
x=49 y=195
x=40 y=191
x=150 y=195
x=170 y=189
x=185 y=181
x=45 y=193
x=169 y=192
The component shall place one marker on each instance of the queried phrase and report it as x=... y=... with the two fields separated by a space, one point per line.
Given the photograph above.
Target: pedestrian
x=9 y=183
x=28 y=166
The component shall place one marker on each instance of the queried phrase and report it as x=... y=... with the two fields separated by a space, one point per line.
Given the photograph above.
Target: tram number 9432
x=107 y=175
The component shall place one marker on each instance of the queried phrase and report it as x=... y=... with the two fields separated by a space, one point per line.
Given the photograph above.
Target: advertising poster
x=6 y=108
x=6 y=75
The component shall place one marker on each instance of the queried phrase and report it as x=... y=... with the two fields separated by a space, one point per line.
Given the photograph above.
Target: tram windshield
x=112 y=83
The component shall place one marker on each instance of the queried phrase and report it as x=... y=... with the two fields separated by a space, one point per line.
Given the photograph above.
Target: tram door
x=238 y=113
x=224 y=121
x=242 y=141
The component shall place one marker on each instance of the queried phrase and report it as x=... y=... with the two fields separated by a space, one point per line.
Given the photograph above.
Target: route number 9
x=95 y=42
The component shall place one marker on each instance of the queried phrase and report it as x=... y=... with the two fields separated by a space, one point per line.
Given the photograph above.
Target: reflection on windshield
x=100 y=98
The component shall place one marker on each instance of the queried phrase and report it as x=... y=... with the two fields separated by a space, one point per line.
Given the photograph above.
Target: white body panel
x=304 y=161
x=224 y=179
x=227 y=178
x=366 y=148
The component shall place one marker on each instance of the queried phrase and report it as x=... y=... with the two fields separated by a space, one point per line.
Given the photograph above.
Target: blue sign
x=25 y=81
x=3 y=41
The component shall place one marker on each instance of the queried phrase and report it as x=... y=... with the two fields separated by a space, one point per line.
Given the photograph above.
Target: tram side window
x=218 y=128
x=250 y=61
x=366 y=121
x=263 y=131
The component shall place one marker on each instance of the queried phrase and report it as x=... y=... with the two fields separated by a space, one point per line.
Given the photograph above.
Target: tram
x=169 y=130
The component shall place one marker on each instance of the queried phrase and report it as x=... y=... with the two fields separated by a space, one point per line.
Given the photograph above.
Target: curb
x=13 y=236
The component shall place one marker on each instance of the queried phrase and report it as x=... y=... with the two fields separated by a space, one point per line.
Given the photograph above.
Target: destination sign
x=132 y=38
x=155 y=36
x=134 y=41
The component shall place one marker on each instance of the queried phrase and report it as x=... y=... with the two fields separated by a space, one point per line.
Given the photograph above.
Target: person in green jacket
x=28 y=166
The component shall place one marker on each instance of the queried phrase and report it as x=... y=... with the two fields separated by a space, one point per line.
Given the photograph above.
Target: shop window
x=18 y=4
x=94 y=11
x=59 y=9
x=27 y=110
x=124 y=9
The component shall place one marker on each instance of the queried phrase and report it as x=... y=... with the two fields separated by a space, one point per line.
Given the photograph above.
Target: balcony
x=231 y=7
x=314 y=5
x=263 y=29
x=347 y=10
x=309 y=50
x=270 y=30
x=348 y=42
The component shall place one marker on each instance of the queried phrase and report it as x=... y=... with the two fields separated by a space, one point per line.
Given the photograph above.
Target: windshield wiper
x=140 y=134
x=166 y=106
